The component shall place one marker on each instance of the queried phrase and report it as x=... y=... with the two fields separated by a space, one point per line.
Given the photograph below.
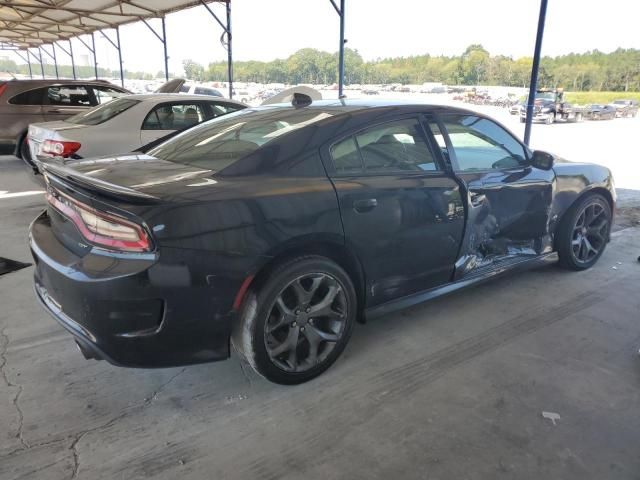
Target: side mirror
x=542 y=160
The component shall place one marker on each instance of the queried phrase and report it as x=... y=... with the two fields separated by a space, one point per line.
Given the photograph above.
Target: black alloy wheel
x=584 y=232
x=297 y=320
x=590 y=232
x=305 y=322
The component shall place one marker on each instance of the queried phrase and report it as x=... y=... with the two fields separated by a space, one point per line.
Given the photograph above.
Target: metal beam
x=29 y=64
x=53 y=57
x=116 y=45
x=166 y=55
x=533 y=85
x=40 y=60
x=228 y=45
x=95 y=57
x=340 y=12
x=92 y=50
x=229 y=50
x=163 y=39
x=70 y=53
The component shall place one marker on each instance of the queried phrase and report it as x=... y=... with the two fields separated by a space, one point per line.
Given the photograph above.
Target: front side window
x=481 y=144
x=106 y=94
x=102 y=113
x=173 y=116
x=68 y=95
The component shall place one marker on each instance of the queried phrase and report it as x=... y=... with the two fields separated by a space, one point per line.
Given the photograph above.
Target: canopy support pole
x=70 y=53
x=53 y=57
x=40 y=60
x=163 y=39
x=116 y=45
x=535 y=67
x=25 y=60
x=226 y=31
x=166 y=55
x=92 y=50
x=340 y=12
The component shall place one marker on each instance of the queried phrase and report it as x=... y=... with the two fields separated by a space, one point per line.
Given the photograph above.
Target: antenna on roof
x=301 y=100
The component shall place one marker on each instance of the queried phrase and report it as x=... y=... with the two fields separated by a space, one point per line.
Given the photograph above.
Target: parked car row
x=31 y=102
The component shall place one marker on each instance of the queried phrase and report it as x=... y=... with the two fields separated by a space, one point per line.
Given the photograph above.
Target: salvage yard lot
x=451 y=389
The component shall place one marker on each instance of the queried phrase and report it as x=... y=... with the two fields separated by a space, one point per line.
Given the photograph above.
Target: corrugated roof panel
x=30 y=23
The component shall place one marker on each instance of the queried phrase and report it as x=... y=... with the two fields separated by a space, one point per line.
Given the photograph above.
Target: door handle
x=365 y=205
x=477 y=199
x=54 y=110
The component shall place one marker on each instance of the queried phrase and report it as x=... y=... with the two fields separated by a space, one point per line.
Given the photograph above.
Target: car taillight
x=100 y=228
x=3 y=87
x=60 y=148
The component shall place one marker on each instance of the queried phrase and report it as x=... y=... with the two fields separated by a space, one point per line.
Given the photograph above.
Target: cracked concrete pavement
x=450 y=389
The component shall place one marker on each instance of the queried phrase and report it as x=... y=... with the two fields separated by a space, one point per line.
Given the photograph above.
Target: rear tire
x=25 y=153
x=584 y=232
x=296 y=324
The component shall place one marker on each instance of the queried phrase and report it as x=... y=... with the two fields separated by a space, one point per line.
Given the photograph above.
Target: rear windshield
x=102 y=113
x=218 y=143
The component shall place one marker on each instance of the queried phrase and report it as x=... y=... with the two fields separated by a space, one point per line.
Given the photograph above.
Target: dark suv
x=29 y=101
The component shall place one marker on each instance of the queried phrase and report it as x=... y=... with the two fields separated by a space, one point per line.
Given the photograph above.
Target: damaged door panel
x=508 y=201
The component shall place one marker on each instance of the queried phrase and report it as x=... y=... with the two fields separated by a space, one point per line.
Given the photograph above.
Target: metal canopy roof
x=31 y=23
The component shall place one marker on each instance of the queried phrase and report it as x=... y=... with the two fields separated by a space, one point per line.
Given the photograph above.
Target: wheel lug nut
x=308 y=309
x=302 y=329
x=294 y=324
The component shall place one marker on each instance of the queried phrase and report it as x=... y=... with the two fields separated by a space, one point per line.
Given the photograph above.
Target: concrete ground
x=452 y=389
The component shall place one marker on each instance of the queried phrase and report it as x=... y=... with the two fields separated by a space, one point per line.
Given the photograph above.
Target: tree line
x=64 y=71
x=589 y=71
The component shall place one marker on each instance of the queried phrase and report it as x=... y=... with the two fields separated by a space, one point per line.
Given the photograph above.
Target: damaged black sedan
x=275 y=228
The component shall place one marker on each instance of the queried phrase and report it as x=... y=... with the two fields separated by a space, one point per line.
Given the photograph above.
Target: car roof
x=58 y=81
x=167 y=97
x=356 y=104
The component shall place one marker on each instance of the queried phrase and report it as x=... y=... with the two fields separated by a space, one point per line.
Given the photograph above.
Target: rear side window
x=102 y=113
x=30 y=97
x=173 y=117
x=395 y=146
x=216 y=144
x=68 y=95
x=398 y=146
x=346 y=158
x=184 y=89
x=218 y=109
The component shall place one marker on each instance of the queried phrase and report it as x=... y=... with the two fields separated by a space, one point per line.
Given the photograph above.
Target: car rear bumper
x=130 y=310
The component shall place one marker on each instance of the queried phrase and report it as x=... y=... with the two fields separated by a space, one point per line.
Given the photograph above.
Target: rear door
x=402 y=213
x=507 y=199
x=62 y=101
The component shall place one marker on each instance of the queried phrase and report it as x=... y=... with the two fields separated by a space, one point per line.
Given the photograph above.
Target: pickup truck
x=549 y=107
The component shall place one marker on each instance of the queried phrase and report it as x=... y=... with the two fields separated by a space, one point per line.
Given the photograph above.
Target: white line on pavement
x=4 y=194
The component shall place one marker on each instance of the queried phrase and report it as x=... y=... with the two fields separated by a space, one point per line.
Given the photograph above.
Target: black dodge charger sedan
x=276 y=228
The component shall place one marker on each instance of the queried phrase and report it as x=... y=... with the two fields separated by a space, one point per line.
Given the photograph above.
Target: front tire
x=296 y=324
x=584 y=232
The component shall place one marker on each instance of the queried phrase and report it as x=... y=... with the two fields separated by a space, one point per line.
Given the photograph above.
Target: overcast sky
x=264 y=30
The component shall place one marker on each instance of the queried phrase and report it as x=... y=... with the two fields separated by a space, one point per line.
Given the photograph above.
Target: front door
x=402 y=214
x=508 y=200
